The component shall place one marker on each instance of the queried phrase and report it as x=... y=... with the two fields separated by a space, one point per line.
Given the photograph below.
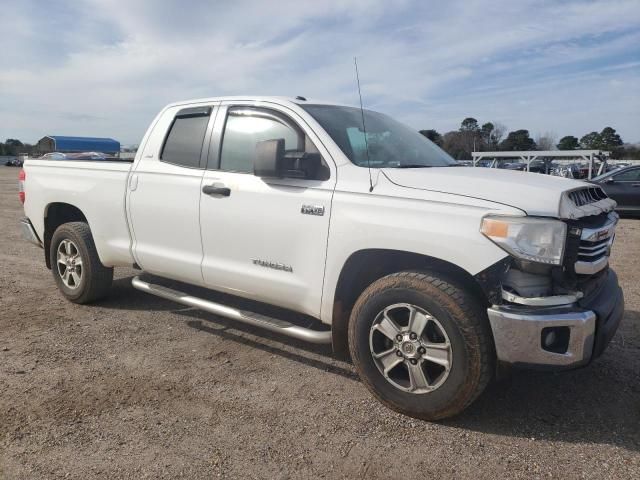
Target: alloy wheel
x=411 y=348
x=69 y=264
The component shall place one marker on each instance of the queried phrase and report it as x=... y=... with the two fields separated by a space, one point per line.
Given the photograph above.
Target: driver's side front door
x=259 y=238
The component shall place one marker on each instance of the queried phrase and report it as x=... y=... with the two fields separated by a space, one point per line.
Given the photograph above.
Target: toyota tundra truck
x=341 y=226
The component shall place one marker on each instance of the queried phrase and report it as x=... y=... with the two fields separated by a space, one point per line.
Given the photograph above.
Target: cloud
x=105 y=67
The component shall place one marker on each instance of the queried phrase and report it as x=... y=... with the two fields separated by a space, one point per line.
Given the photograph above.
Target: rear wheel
x=75 y=264
x=421 y=344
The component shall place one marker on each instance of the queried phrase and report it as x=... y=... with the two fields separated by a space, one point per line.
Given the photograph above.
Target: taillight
x=21 y=178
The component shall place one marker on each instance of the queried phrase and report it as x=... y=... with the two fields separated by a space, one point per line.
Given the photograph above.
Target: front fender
x=445 y=231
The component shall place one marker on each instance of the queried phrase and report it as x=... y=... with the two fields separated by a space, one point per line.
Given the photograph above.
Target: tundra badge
x=274 y=265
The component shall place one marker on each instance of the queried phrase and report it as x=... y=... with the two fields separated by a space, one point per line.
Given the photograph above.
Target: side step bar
x=250 y=318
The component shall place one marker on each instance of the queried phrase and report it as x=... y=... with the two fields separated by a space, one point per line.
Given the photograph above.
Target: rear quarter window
x=183 y=145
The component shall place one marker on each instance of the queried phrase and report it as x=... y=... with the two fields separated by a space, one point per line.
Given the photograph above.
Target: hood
x=535 y=193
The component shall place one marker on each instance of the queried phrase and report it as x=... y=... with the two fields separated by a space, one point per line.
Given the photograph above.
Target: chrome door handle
x=216 y=189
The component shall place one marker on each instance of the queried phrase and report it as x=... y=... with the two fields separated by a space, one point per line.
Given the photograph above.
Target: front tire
x=75 y=264
x=421 y=344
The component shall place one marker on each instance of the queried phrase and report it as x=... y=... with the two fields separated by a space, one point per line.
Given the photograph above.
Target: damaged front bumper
x=559 y=336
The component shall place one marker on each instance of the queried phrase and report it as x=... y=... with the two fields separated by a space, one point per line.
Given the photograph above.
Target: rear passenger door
x=164 y=193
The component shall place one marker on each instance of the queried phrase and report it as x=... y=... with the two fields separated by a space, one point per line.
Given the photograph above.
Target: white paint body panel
x=160 y=218
x=536 y=194
x=96 y=188
x=261 y=220
x=164 y=208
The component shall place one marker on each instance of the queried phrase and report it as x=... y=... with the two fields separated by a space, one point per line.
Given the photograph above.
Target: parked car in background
x=567 y=171
x=14 y=161
x=623 y=185
x=609 y=167
x=54 y=156
x=77 y=156
x=519 y=166
x=536 y=166
x=485 y=163
x=579 y=171
x=542 y=166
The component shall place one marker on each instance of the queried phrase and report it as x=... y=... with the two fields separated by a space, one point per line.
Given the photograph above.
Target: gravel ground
x=138 y=387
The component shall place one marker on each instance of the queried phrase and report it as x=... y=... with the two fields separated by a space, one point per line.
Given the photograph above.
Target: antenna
x=364 y=127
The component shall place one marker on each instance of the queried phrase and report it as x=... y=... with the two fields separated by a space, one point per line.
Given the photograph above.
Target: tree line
x=493 y=136
x=470 y=137
x=12 y=147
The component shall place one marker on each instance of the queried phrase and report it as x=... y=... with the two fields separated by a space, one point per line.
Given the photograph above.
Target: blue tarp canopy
x=84 y=144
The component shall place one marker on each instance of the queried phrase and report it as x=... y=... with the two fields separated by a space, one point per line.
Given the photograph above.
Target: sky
x=106 y=67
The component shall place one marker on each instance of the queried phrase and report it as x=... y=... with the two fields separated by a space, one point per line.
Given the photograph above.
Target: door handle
x=635 y=184
x=133 y=182
x=216 y=189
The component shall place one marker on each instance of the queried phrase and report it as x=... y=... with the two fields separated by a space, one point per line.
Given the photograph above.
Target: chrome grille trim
x=595 y=252
x=595 y=247
x=588 y=246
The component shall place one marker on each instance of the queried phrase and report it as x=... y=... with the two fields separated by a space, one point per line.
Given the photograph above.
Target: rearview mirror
x=610 y=180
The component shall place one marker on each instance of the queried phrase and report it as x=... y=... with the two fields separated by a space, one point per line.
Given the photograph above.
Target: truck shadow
x=596 y=404
x=124 y=297
x=316 y=356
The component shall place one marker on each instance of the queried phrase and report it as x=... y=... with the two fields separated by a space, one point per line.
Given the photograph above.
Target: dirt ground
x=139 y=387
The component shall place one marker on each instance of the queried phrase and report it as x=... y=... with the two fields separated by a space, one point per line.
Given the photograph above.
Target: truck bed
x=96 y=187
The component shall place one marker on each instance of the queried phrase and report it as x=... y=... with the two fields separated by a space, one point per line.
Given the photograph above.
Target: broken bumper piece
x=558 y=336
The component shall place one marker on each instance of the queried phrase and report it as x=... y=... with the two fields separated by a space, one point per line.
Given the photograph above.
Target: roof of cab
x=253 y=98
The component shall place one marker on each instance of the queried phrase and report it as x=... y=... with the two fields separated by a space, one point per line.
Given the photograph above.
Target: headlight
x=533 y=239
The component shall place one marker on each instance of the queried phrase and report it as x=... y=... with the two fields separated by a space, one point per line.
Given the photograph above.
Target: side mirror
x=302 y=165
x=268 y=161
x=271 y=160
x=610 y=180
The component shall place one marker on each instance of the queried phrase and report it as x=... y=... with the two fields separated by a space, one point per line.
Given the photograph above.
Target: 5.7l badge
x=312 y=210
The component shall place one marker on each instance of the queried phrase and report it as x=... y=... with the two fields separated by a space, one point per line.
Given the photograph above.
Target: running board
x=250 y=318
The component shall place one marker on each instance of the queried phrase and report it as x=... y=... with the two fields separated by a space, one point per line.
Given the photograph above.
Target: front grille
x=594 y=245
x=592 y=251
x=587 y=195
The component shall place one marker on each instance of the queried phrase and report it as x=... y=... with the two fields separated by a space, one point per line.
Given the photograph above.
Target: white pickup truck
x=429 y=274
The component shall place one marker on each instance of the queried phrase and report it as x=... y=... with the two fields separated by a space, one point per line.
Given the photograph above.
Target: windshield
x=391 y=144
x=602 y=177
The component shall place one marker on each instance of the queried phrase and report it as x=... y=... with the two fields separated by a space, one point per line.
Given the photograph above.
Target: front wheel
x=421 y=344
x=75 y=264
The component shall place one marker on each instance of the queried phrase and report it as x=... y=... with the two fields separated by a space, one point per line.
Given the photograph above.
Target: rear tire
x=434 y=357
x=75 y=264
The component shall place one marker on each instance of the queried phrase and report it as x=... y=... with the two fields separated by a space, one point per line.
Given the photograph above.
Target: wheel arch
x=364 y=267
x=56 y=214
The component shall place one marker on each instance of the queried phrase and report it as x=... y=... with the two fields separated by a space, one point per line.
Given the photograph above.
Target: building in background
x=57 y=143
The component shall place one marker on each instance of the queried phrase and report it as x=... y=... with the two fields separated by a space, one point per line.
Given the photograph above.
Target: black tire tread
x=99 y=278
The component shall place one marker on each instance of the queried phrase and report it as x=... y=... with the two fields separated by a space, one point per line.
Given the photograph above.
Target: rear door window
x=183 y=145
